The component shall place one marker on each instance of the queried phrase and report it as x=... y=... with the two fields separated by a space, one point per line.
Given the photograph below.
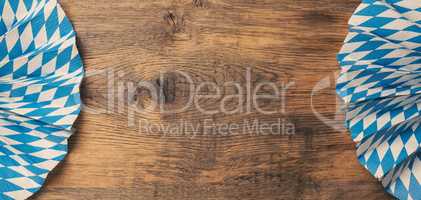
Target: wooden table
x=286 y=42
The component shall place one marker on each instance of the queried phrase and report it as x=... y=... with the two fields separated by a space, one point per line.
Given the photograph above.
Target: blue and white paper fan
x=381 y=83
x=40 y=74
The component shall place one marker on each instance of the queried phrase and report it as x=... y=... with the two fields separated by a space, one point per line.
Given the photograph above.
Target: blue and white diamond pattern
x=380 y=82
x=40 y=74
x=29 y=151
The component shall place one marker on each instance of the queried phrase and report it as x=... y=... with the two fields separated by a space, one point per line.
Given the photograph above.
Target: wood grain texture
x=213 y=41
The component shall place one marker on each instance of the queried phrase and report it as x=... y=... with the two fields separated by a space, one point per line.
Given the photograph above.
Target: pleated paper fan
x=380 y=82
x=40 y=74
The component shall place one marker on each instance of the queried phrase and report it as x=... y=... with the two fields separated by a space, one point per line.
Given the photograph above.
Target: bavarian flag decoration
x=40 y=74
x=380 y=83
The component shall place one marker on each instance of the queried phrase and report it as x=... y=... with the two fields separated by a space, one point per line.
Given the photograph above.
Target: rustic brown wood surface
x=282 y=41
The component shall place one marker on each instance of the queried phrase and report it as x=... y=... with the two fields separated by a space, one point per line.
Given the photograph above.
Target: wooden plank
x=217 y=41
